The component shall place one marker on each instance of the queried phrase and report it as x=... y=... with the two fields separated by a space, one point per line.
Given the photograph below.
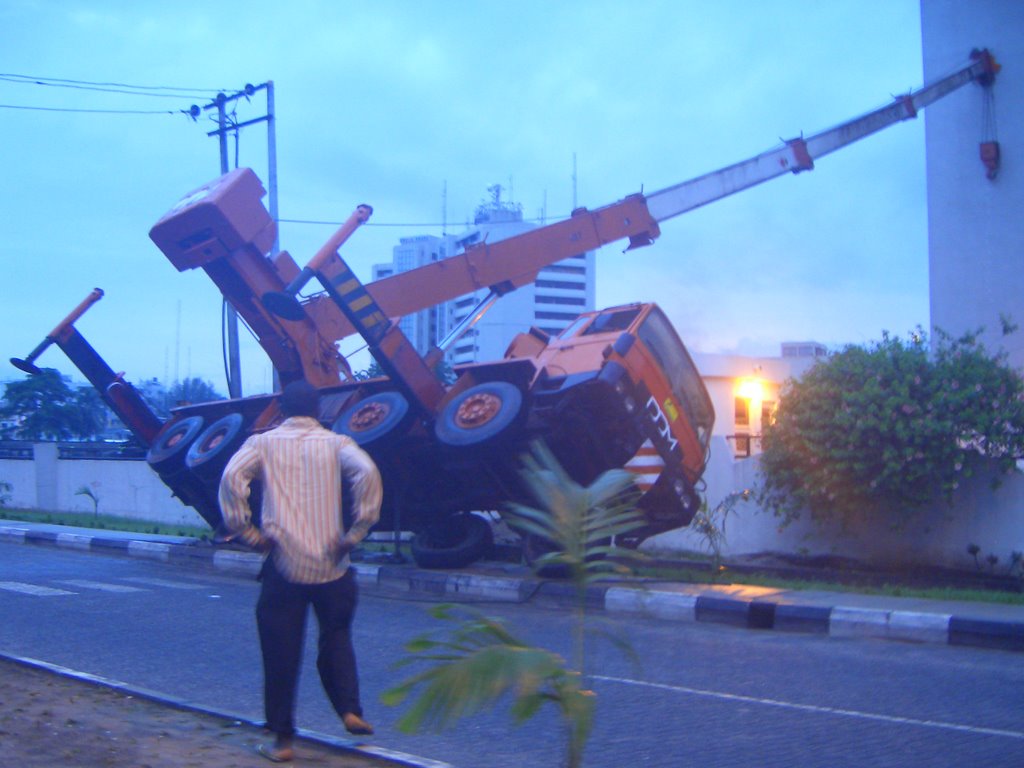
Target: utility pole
x=224 y=126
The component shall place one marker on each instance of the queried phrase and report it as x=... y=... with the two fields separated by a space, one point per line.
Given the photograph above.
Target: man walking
x=300 y=465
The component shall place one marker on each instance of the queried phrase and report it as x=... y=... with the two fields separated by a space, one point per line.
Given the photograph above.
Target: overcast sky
x=390 y=103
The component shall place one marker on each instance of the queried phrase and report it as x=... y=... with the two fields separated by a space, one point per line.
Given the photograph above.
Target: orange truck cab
x=617 y=388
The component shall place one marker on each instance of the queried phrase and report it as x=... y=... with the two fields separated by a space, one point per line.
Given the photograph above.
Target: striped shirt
x=300 y=465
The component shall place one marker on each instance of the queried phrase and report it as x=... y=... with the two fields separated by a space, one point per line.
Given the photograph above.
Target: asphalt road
x=697 y=694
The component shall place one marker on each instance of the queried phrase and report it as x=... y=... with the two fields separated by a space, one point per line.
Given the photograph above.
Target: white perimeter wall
x=124 y=488
x=940 y=535
x=986 y=517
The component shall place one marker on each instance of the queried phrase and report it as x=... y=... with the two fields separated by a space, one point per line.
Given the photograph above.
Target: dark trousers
x=281 y=619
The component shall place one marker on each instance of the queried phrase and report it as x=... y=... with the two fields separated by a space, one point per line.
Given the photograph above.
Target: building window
x=767 y=414
x=554 y=316
x=803 y=349
x=742 y=412
x=559 y=284
x=569 y=300
x=565 y=269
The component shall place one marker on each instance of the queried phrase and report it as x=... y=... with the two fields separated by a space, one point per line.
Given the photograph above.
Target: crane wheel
x=168 y=449
x=374 y=418
x=217 y=441
x=479 y=414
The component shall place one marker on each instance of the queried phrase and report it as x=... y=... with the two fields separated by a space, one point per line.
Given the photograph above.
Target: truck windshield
x=616 y=320
x=660 y=338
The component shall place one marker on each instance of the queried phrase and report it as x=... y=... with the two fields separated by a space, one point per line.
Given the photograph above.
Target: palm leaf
x=491 y=664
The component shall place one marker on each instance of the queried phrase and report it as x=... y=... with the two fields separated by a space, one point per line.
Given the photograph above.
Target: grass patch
x=104 y=522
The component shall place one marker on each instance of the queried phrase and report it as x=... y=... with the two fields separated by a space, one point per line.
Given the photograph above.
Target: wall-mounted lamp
x=750 y=389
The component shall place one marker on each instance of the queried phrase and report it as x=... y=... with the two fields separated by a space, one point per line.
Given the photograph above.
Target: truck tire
x=167 y=453
x=374 y=418
x=217 y=441
x=453 y=542
x=479 y=414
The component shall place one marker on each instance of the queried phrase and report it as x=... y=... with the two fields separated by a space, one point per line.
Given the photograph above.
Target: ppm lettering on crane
x=661 y=423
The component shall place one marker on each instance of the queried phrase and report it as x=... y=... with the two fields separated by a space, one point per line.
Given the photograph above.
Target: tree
x=90 y=492
x=886 y=429
x=46 y=407
x=194 y=390
x=89 y=414
x=372 y=371
x=443 y=370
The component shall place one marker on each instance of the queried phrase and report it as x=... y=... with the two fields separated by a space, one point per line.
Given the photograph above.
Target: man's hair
x=300 y=398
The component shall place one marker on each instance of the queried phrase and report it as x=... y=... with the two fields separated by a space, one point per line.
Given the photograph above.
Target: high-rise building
x=425 y=327
x=560 y=293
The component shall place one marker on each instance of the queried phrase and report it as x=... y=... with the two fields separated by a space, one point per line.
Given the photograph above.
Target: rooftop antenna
x=574 y=205
x=177 y=343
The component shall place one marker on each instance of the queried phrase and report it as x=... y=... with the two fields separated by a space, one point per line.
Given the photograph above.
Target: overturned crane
x=616 y=388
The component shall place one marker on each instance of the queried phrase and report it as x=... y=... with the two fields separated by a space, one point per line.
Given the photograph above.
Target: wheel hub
x=368 y=416
x=477 y=410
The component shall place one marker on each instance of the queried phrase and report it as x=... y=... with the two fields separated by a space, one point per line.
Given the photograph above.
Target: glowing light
x=750 y=389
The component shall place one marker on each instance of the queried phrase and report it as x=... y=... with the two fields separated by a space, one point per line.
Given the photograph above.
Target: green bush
x=886 y=429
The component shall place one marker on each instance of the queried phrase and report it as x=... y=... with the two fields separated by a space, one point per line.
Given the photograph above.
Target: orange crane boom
x=515 y=261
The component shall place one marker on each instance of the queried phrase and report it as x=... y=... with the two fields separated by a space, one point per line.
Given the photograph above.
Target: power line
x=97 y=111
x=124 y=89
x=134 y=90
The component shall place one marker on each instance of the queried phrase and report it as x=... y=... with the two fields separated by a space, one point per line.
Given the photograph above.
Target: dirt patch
x=49 y=720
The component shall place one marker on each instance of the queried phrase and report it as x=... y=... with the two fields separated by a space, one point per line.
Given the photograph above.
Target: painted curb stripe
x=13 y=534
x=659 y=604
x=802 y=618
x=721 y=611
x=151 y=549
x=986 y=634
x=73 y=540
x=106 y=544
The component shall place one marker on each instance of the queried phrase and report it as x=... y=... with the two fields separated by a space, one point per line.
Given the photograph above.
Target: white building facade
x=425 y=327
x=975 y=229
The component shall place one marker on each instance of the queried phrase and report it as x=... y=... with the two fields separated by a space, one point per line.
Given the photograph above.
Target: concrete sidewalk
x=835 y=614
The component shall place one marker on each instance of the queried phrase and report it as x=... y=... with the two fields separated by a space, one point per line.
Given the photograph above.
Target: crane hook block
x=989 y=151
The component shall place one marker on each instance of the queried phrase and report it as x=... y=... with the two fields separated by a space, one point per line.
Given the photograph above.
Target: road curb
x=836 y=620
x=785 y=615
